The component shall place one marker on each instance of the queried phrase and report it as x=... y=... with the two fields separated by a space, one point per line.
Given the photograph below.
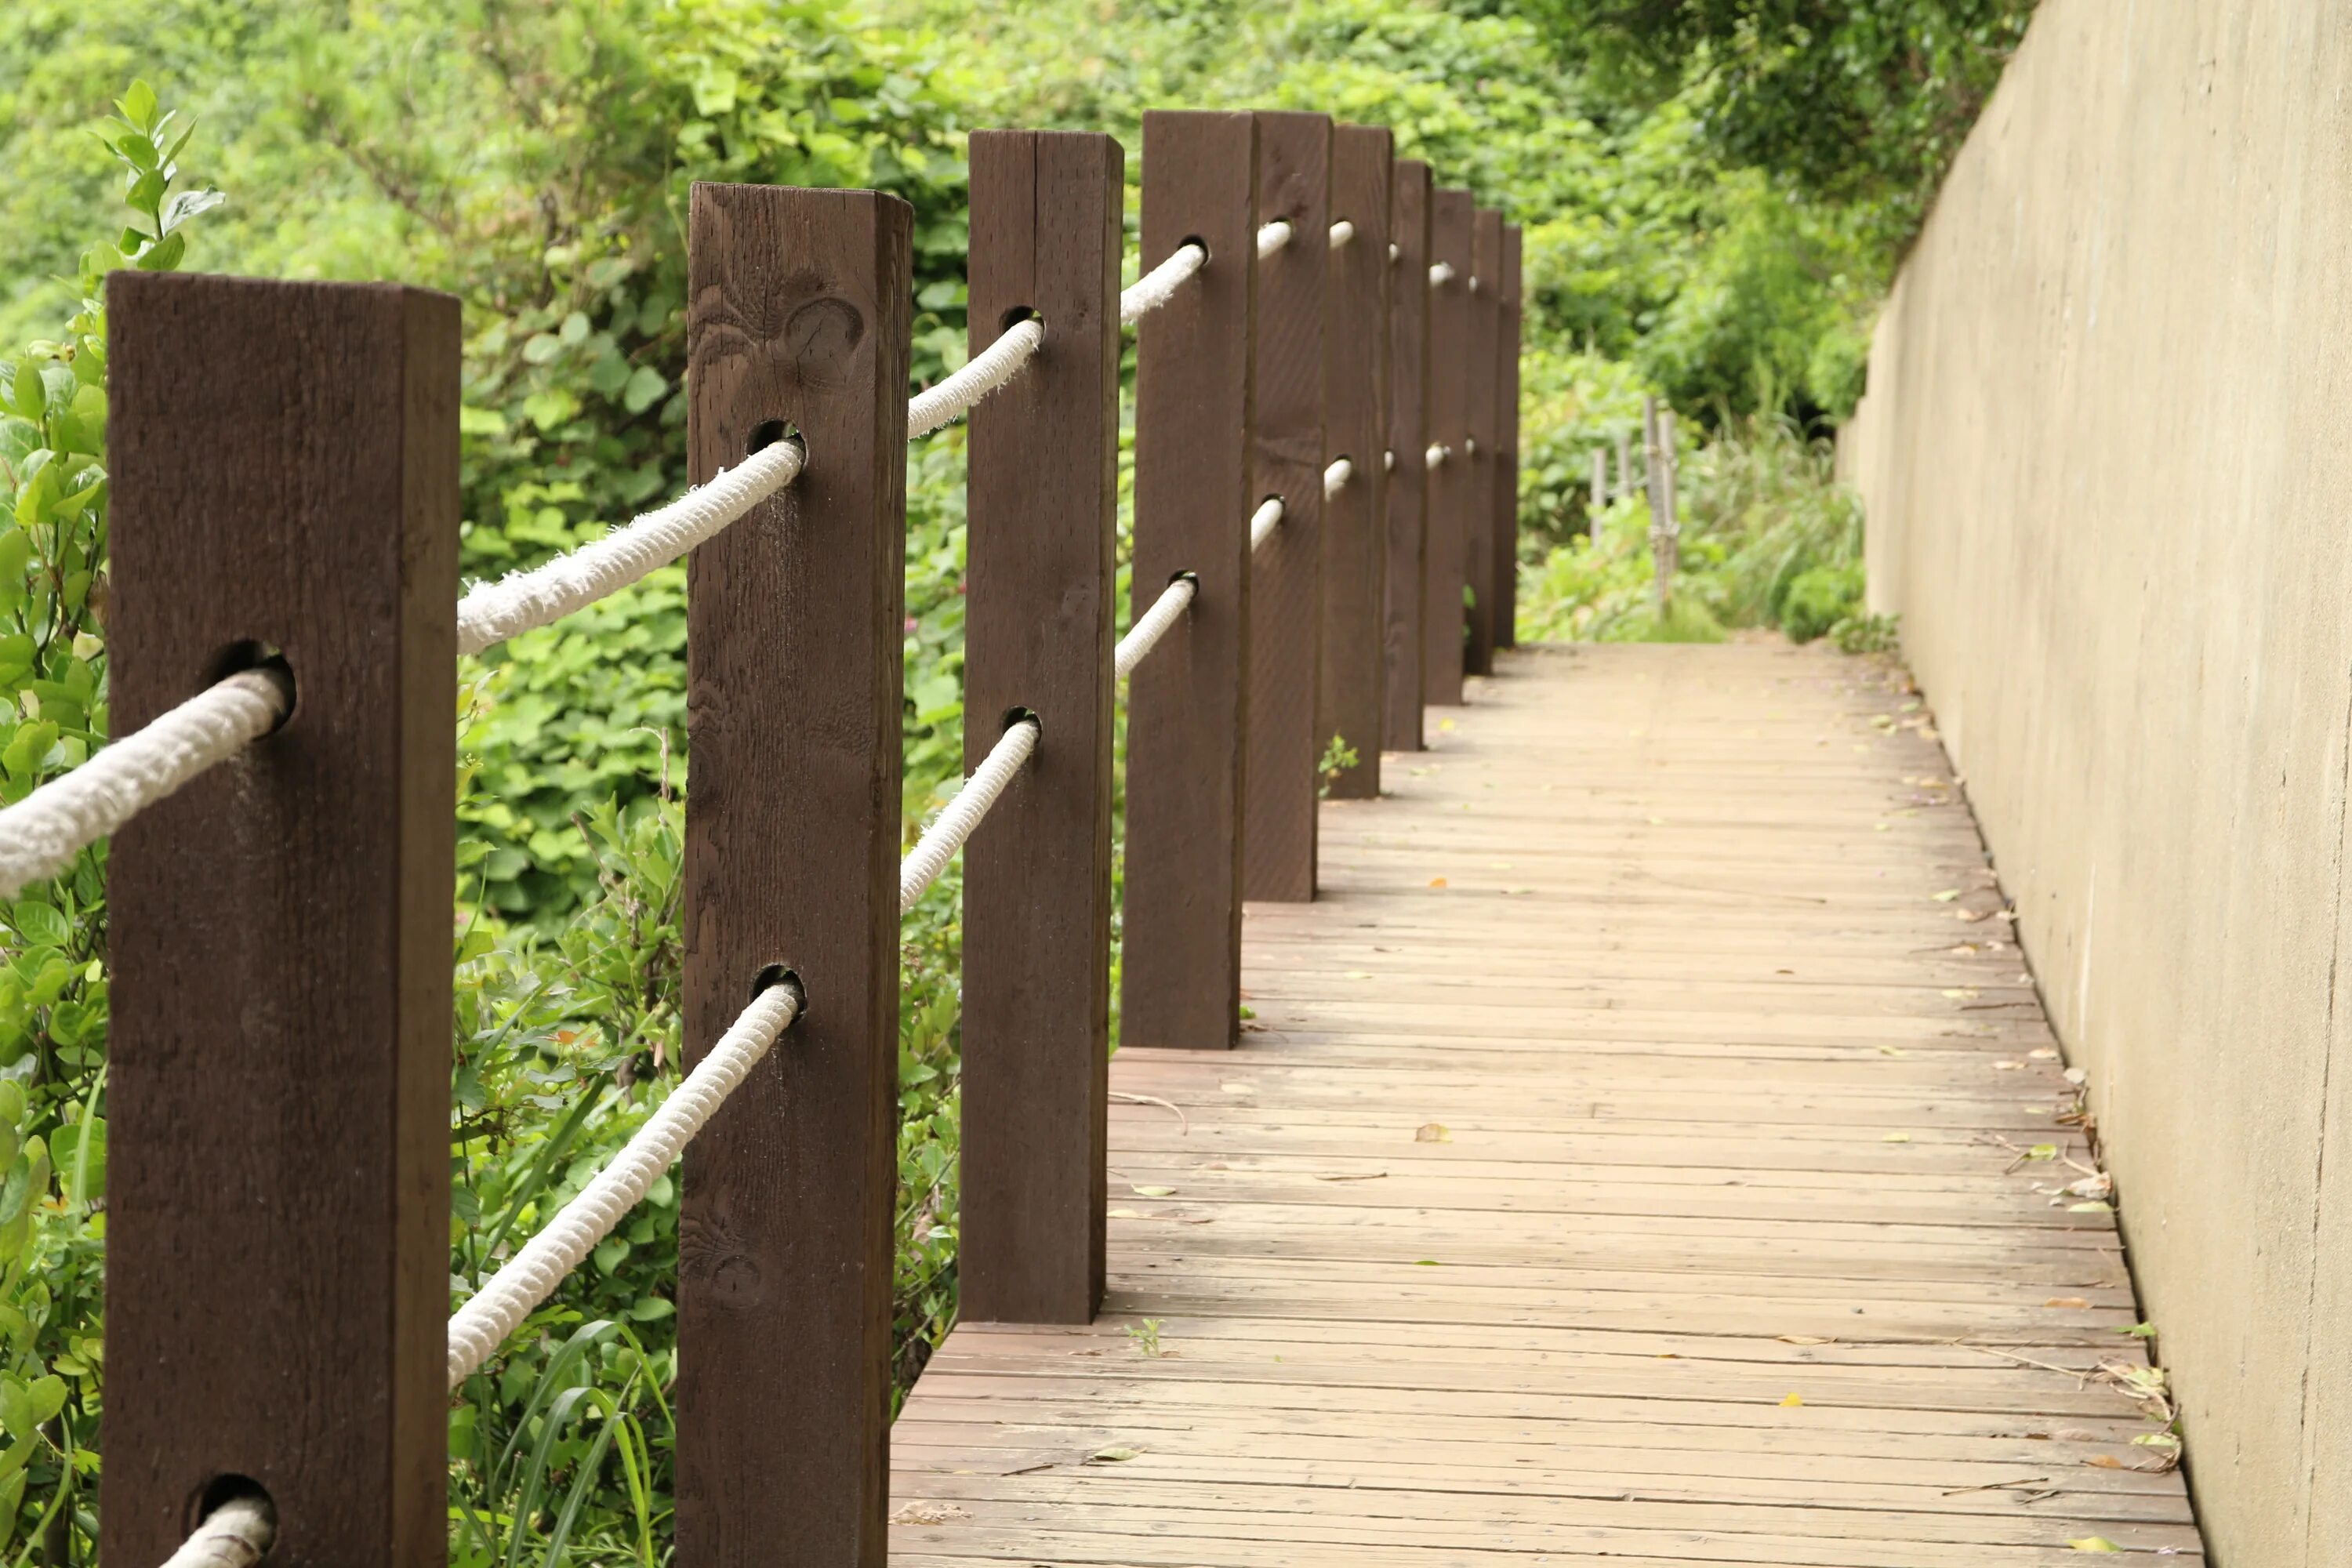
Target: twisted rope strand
x=1336 y=476
x=1263 y=521
x=238 y=1534
x=1152 y=624
x=1159 y=286
x=1272 y=238
x=531 y=1274
x=1434 y=456
x=985 y=372
x=1441 y=273
x=1341 y=233
x=957 y=819
x=41 y=834
x=493 y=611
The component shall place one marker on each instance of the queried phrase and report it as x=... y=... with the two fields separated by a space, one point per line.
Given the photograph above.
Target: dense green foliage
x=534 y=157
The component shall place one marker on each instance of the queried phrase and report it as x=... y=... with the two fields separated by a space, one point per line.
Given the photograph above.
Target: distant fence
x=1326 y=458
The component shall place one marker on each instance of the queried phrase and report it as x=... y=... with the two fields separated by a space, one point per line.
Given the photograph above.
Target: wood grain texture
x=1402 y=589
x=1288 y=452
x=1041 y=517
x=1356 y=392
x=798 y=312
x=1187 y=704
x=1450 y=490
x=1696 y=1157
x=1505 y=556
x=1485 y=325
x=284 y=460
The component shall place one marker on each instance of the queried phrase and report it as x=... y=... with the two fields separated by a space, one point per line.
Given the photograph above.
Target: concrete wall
x=2107 y=455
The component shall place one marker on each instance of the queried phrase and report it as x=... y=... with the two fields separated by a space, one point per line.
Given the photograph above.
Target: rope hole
x=1186 y=576
x=774 y=975
x=768 y=432
x=264 y=658
x=1207 y=254
x=221 y=1491
x=1016 y=316
x=1022 y=716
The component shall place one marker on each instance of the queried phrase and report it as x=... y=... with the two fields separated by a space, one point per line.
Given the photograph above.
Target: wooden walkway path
x=1624 y=1167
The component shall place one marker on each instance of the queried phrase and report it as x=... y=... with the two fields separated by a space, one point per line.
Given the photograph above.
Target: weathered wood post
x=797 y=321
x=1349 y=712
x=1668 y=464
x=1484 y=445
x=284 y=460
x=1661 y=557
x=1624 y=464
x=1599 y=491
x=1505 y=556
x=1450 y=489
x=1041 y=517
x=1181 y=969
x=1402 y=591
x=1288 y=449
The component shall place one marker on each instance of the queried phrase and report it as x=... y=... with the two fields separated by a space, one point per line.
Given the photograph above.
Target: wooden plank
x=1711 y=1123
x=1180 y=979
x=1506 y=554
x=1485 y=439
x=798 y=318
x=1041 y=513
x=1289 y=448
x=1403 y=588
x=1450 y=483
x=278 y=1197
x=1349 y=713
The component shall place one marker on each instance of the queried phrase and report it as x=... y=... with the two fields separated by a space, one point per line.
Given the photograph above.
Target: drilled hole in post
x=768 y=432
x=774 y=975
x=239 y=657
x=1016 y=316
x=1207 y=254
x=1022 y=716
x=222 y=1490
x=1186 y=576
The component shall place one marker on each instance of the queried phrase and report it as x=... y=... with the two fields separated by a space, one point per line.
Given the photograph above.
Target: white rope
x=41 y=834
x=1151 y=626
x=1341 y=233
x=1394 y=251
x=1336 y=476
x=531 y=1274
x=985 y=372
x=1159 y=286
x=493 y=611
x=1433 y=457
x=1473 y=282
x=1388 y=462
x=238 y=1534
x=1272 y=238
x=955 y=823
x=1263 y=521
x=1441 y=273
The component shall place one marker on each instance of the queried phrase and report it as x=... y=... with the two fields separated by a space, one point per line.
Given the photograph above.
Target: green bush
x=1818 y=599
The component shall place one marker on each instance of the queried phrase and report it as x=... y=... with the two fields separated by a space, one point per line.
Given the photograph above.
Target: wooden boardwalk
x=1629 y=1162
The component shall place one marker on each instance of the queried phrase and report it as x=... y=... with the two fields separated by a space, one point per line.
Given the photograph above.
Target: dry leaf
x=1948 y=895
x=2008 y=1066
x=1445 y=724
x=1359 y=1177
x=1433 y=1133
x=1802 y=1340
x=1155 y=1192
x=1961 y=993
x=1897 y=1138
x=1793 y=1400
x=2042 y=1054
x=2067 y=1301
x=1110 y=1455
x=1437 y=881
x=2105 y=1461
x=1357 y=975
x=929 y=1513
x=2094 y=1543
x=1122 y=1213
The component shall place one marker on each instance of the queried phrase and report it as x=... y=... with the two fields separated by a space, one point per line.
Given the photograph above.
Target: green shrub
x=1818 y=599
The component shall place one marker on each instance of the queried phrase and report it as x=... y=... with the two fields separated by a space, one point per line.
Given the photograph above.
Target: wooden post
x=1449 y=428
x=1408 y=497
x=1600 y=491
x=1041 y=515
x=1288 y=450
x=799 y=319
x=1181 y=964
x=1486 y=441
x=1661 y=573
x=1506 y=555
x=1355 y=534
x=278 y=1256
x=1672 y=524
x=1624 y=464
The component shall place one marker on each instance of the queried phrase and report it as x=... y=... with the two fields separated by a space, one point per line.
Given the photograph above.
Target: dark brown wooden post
x=1041 y=514
x=1356 y=391
x=1505 y=557
x=1485 y=444
x=1180 y=963
x=277 y=1258
x=1449 y=428
x=1408 y=498
x=797 y=319
x=1289 y=450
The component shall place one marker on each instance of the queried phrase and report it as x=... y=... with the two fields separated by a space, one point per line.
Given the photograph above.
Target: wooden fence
x=280 y=1211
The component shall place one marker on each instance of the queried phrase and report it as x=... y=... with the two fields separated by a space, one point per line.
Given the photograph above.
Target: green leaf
x=165 y=255
x=41 y=924
x=645 y=387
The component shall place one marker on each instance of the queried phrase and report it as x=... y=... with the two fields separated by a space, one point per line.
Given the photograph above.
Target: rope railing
x=1435 y=454
x=1159 y=286
x=41 y=834
x=238 y=1534
x=1272 y=238
x=1264 y=521
x=956 y=820
x=1336 y=476
x=1441 y=273
x=1152 y=624
x=1341 y=233
x=495 y=1311
x=986 y=370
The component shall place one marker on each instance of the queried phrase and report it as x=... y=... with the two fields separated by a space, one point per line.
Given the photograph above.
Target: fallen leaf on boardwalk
x=2043 y=1054
x=1445 y=724
x=929 y=1513
x=1969 y=915
x=1155 y=1192
x=2094 y=1543
x=1891 y=1051
x=2008 y=1066
x=1358 y=1176
x=1424 y=1263
x=1802 y=1340
x=1948 y=895
x=1357 y=975
x=2090 y=1208
x=1433 y=1133
x=2067 y=1301
x=1792 y=1399
x=2105 y=1461
x=1657 y=822
x=1897 y=1138
x=1122 y=1213
x=2077 y=1077
x=1111 y=1456
x=1437 y=881
x=1961 y=993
